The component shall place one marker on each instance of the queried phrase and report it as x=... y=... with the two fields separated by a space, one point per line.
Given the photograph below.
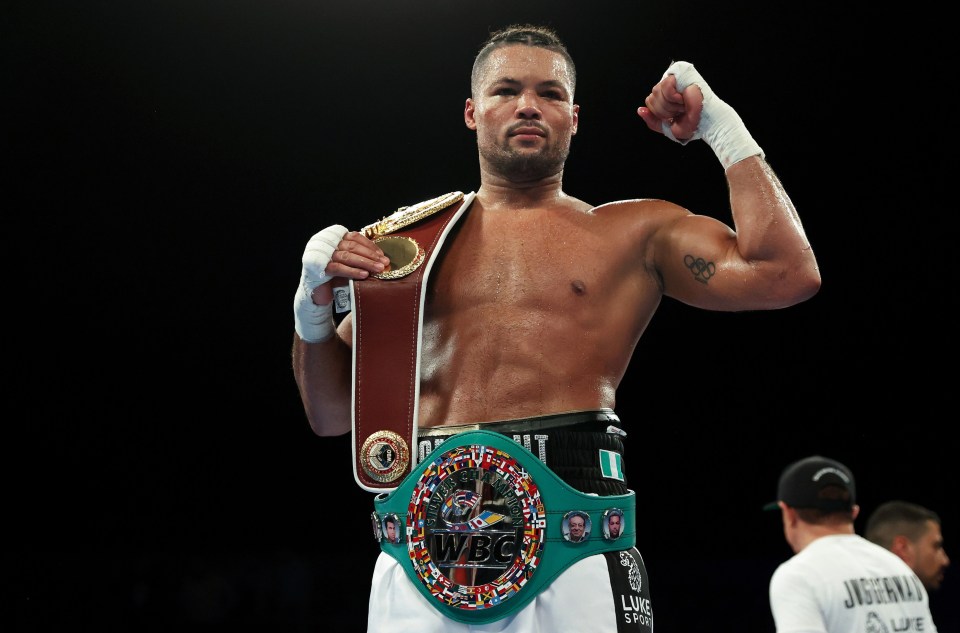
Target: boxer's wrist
x=724 y=131
x=313 y=323
x=720 y=126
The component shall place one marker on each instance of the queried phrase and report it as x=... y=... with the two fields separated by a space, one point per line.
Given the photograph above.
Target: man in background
x=837 y=581
x=913 y=533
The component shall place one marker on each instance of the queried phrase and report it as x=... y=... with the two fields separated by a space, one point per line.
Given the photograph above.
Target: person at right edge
x=837 y=581
x=537 y=302
x=913 y=533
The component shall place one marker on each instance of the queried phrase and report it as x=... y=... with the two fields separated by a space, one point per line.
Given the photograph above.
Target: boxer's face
x=523 y=113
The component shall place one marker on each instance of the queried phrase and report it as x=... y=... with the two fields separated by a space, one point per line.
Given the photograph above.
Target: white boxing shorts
x=605 y=593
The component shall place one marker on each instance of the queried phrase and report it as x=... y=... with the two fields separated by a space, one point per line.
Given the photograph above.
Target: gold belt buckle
x=405 y=256
x=404 y=253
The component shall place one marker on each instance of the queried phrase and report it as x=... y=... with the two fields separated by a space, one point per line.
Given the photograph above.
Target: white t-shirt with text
x=843 y=583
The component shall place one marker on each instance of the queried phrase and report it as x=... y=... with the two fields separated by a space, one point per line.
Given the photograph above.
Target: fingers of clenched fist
x=356 y=256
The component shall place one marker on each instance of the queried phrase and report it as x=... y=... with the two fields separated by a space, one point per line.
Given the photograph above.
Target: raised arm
x=322 y=356
x=765 y=261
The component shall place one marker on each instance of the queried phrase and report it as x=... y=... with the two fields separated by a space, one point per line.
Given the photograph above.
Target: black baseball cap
x=801 y=483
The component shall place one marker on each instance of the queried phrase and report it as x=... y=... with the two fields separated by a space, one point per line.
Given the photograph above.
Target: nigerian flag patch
x=611 y=465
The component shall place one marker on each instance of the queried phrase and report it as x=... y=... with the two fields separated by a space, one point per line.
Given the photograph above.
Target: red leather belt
x=387 y=322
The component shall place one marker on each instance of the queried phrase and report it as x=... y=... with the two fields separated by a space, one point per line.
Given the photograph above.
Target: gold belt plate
x=405 y=253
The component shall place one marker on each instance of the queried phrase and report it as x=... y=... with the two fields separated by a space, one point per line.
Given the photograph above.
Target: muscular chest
x=516 y=263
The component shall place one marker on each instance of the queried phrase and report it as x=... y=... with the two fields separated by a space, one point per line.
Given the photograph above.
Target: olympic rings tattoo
x=702 y=270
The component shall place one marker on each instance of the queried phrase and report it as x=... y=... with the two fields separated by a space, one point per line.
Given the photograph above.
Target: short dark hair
x=527 y=35
x=897 y=517
x=837 y=507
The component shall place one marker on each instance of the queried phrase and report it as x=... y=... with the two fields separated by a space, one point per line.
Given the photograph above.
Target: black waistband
x=571 y=444
x=581 y=419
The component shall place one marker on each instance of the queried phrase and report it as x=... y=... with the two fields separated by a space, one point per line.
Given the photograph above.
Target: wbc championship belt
x=482 y=526
x=387 y=322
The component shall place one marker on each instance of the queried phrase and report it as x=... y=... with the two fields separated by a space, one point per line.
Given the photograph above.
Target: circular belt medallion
x=476 y=526
x=384 y=456
x=404 y=253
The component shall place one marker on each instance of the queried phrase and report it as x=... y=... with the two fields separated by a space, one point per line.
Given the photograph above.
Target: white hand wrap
x=720 y=126
x=312 y=322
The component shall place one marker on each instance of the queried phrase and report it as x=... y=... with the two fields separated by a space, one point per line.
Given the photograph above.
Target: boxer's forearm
x=770 y=236
x=322 y=372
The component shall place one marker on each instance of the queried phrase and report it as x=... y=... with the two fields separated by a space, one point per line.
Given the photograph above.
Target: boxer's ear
x=468 y=118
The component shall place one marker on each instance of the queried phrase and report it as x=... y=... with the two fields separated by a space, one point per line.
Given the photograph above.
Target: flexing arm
x=766 y=262
x=322 y=354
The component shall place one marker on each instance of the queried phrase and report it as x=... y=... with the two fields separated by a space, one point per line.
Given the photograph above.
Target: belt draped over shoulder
x=388 y=319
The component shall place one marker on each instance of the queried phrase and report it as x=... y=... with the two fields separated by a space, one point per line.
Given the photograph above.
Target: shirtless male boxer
x=538 y=299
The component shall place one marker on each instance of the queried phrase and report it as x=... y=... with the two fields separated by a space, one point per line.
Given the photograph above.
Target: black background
x=168 y=162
